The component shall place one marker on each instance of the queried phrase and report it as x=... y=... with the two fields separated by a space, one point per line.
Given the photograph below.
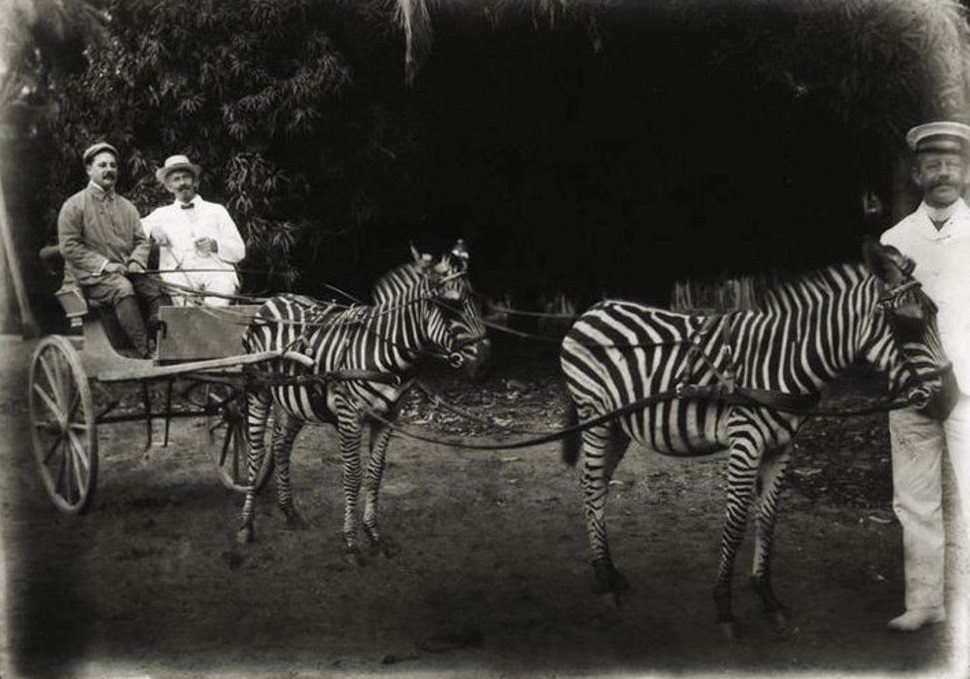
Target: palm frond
x=415 y=21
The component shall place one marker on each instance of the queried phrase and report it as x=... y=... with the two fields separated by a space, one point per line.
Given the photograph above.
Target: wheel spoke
x=69 y=456
x=62 y=475
x=48 y=400
x=54 y=446
x=53 y=381
x=235 y=454
x=225 y=447
x=72 y=408
x=63 y=375
x=78 y=472
x=81 y=455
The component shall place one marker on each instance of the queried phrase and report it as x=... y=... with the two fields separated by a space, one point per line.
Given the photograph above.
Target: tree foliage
x=292 y=136
x=558 y=136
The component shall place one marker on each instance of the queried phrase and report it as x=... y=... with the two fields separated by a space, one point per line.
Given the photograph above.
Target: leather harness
x=726 y=389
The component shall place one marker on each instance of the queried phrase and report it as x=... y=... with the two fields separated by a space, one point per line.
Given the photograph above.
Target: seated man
x=105 y=250
x=199 y=242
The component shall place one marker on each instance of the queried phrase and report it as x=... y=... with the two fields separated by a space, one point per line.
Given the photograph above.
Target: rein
x=796 y=404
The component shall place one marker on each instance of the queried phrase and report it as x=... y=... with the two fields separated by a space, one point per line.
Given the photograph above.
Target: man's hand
x=135 y=267
x=114 y=267
x=206 y=246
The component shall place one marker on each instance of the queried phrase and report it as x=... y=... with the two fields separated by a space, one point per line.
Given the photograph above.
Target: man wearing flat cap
x=106 y=252
x=937 y=237
x=199 y=242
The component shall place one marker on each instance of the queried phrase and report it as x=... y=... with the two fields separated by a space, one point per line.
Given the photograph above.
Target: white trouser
x=917 y=448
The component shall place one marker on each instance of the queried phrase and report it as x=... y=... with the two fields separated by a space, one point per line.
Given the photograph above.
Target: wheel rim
x=63 y=426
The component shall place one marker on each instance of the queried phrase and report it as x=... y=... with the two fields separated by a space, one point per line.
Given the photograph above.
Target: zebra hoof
x=245 y=535
x=780 y=623
x=294 y=521
x=353 y=557
x=388 y=548
x=607 y=580
x=729 y=629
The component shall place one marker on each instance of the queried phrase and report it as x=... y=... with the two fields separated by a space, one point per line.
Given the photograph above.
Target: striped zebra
x=807 y=331
x=423 y=312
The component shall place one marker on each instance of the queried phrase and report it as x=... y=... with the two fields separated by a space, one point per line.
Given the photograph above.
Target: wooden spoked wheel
x=63 y=426
x=228 y=441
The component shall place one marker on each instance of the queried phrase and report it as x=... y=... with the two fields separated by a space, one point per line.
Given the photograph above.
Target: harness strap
x=266 y=378
x=725 y=378
x=546 y=438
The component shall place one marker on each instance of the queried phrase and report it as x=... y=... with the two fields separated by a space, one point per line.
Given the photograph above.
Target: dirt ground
x=492 y=578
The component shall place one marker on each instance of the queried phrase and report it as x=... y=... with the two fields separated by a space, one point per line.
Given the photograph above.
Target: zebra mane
x=830 y=281
x=389 y=285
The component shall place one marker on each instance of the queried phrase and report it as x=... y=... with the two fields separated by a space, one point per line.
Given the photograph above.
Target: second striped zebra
x=807 y=332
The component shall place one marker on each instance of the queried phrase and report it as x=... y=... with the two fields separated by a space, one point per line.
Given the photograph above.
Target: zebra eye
x=909 y=312
x=908 y=326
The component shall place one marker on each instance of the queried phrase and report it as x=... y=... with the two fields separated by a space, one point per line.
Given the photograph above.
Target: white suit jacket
x=176 y=229
x=943 y=268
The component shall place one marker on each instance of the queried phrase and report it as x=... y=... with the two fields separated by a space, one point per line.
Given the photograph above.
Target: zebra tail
x=572 y=441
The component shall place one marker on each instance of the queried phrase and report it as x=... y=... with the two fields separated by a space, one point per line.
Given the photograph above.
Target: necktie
x=938 y=223
x=187 y=206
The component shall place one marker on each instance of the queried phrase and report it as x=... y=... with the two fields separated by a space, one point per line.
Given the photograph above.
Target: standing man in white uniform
x=937 y=237
x=198 y=240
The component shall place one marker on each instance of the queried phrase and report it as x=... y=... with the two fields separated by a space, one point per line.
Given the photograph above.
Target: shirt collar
x=196 y=201
x=954 y=214
x=100 y=193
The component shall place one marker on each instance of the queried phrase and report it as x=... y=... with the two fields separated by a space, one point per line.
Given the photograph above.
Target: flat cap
x=941 y=136
x=94 y=149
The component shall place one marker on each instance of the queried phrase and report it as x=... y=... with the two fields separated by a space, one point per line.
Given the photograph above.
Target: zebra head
x=456 y=324
x=905 y=341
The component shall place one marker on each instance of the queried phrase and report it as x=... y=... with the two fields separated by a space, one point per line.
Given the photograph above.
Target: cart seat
x=69 y=294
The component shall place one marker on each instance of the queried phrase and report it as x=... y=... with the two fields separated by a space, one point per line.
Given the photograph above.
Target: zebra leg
x=742 y=469
x=285 y=430
x=599 y=461
x=349 y=431
x=258 y=404
x=769 y=485
x=380 y=435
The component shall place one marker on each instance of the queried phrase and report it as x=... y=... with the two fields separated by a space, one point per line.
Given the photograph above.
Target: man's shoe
x=917 y=618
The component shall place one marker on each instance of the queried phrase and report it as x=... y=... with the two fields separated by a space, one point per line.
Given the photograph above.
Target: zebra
x=424 y=310
x=807 y=331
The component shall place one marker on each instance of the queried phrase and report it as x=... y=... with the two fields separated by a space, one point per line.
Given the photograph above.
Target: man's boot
x=129 y=316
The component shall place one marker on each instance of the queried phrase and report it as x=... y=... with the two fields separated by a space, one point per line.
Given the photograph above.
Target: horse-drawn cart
x=74 y=388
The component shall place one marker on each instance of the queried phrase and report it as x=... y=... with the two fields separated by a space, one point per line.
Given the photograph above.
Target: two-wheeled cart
x=75 y=387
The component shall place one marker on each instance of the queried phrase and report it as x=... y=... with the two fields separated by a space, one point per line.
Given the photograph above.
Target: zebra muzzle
x=456 y=359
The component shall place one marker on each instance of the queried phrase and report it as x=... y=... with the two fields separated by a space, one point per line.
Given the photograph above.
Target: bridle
x=455 y=358
x=887 y=303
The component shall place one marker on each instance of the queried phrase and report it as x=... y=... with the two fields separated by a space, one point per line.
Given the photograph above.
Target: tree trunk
x=28 y=326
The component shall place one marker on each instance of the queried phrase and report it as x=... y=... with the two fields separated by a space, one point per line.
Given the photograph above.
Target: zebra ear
x=458 y=257
x=422 y=261
x=460 y=250
x=886 y=262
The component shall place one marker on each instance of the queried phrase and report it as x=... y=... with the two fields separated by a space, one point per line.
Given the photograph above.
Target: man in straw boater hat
x=937 y=238
x=106 y=252
x=199 y=242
